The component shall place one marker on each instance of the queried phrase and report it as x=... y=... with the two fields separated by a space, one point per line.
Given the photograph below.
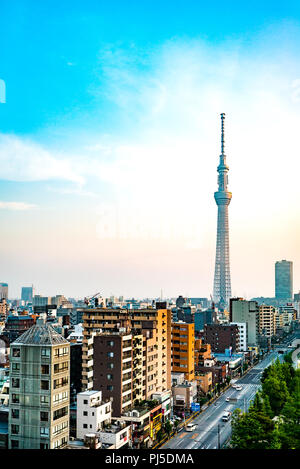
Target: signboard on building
x=195 y=407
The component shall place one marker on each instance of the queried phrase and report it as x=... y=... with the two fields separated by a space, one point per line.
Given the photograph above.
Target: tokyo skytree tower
x=222 y=282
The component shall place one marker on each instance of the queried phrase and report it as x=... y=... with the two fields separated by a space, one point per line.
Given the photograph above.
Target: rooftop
x=41 y=334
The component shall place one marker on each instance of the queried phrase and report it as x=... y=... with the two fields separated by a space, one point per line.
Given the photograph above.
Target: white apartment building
x=166 y=400
x=243 y=329
x=92 y=413
x=267 y=320
x=115 y=436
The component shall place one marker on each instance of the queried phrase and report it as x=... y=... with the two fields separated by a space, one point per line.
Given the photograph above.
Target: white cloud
x=16 y=206
x=24 y=160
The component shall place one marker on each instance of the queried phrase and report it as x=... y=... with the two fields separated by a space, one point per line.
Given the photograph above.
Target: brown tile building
x=222 y=337
x=149 y=354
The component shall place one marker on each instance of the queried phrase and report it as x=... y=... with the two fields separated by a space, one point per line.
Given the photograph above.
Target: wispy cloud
x=16 y=206
x=24 y=160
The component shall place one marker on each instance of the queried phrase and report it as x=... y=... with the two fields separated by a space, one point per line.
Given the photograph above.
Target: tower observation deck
x=222 y=281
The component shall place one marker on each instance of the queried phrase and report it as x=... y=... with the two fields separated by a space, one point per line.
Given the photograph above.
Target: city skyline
x=108 y=146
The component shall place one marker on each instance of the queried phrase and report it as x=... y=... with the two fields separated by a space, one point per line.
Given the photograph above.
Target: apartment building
x=243 y=335
x=150 y=328
x=39 y=389
x=93 y=413
x=117 y=368
x=183 y=349
x=202 y=352
x=222 y=337
x=243 y=311
x=267 y=320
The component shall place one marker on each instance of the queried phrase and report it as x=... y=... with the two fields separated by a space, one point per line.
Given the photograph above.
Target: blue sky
x=111 y=127
x=50 y=50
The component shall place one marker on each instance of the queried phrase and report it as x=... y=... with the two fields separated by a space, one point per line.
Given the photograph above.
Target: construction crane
x=87 y=299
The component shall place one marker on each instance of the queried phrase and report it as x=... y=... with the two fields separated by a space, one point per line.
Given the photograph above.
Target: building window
x=15 y=398
x=109 y=377
x=85 y=413
x=44 y=416
x=85 y=425
x=111 y=343
x=59 y=352
x=15 y=382
x=60 y=413
x=59 y=367
x=110 y=388
x=45 y=353
x=60 y=397
x=44 y=369
x=44 y=446
x=44 y=385
x=60 y=382
x=110 y=365
x=16 y=352
x=14 y=444
x=15 y=429
x=85 y=401
x=110 y=354
x=15 y=413
x=60 y=428
x=44 y=431
x=44 y=399
x=15 y=366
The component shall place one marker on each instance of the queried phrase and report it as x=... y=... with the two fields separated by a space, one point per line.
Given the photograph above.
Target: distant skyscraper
x=222 y=281
x=27 y=294
x=284 y=280
x=3 y=291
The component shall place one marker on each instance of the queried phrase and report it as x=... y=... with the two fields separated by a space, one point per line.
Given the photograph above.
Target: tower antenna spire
x=222 y=133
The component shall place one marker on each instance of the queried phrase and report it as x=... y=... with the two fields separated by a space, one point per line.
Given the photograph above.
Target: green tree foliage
x=252 y=430
x=168 y=427
x=273 y=419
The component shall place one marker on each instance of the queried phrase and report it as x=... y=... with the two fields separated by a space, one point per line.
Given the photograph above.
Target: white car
x=190 y=427
x=239 y=388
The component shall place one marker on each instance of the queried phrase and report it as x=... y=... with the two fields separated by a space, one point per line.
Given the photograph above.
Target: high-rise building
x=222 y=280
x=183 y=349
x=118 y=369
x=27 y=294
x=243 y=311
x=222 y=337
x=284 y=280
x=243 y=335
x=267 y=321
x=39 y=389
x=154 y=325
x=208 y=316
x=39 y=300
x=3 y=291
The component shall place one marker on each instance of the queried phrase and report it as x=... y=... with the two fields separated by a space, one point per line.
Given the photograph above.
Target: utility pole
x=219 y=445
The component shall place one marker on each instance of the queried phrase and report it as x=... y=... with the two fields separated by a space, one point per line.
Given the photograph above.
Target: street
x=211 y=432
